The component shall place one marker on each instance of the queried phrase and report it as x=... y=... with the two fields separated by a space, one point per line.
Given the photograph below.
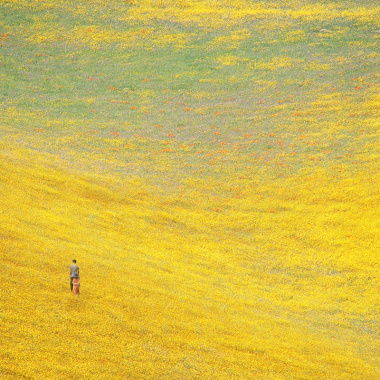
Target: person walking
x=73 y=269
x=76 y=283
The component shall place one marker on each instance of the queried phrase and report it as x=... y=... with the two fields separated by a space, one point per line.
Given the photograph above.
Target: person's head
x=74 y=261
x=76 y=275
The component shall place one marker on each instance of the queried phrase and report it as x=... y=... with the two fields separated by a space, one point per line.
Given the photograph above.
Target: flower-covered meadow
x=213 y=166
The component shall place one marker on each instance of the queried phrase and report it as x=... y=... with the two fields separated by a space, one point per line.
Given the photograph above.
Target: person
x=73 y=269
x=76 y=283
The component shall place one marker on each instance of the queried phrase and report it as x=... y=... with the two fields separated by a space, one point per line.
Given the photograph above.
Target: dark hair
x=74 y=261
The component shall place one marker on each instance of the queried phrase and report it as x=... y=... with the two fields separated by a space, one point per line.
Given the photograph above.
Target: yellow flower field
x=213 y=167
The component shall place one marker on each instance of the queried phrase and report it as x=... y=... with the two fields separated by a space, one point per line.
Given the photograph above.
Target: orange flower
x=167 y=150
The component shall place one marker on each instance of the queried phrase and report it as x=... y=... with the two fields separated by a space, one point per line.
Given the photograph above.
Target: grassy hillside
x=212 y=166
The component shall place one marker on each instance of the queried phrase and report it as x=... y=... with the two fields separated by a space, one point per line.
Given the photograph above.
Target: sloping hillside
x=212 y=166
x=173 y=290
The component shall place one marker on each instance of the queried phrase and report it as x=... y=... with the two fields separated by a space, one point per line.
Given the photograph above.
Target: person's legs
x=71 y=283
